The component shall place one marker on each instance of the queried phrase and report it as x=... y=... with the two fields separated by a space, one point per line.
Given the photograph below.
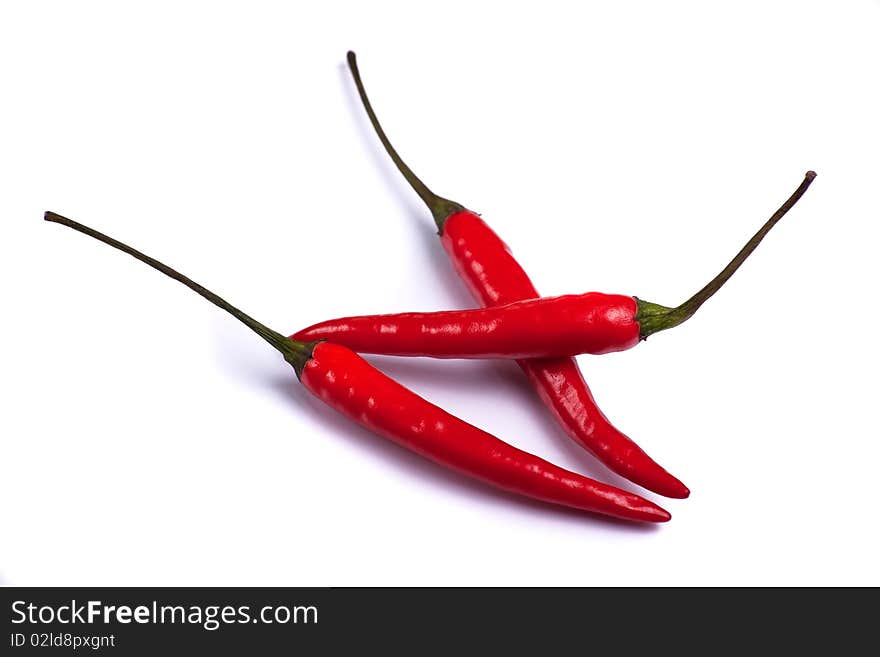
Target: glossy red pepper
x=359 y=391
x=546 y=327
x=345 y=381
x=494 y=277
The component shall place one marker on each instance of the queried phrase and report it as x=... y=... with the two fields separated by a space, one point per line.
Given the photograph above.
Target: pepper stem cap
x=441 y=208
x=295 y=352
x=653 y=317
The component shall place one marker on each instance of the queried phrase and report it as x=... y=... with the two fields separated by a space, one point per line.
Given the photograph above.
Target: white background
x=633 y=147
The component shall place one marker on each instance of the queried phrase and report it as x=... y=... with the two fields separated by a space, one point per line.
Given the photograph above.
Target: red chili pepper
x=345 y=381
x=547 y=327
x=494 y=277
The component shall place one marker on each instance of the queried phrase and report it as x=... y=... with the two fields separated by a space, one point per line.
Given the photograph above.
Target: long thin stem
x=653 y=317
x=294 y=352
x=440 y=207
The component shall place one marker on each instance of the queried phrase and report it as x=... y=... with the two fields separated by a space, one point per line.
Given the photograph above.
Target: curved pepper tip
x=660 y=515
x=648 y=474
x=644 y=510
x=672 y=488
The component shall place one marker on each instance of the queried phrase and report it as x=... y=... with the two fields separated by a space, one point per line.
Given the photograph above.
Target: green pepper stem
x=296 y=353
x=440 y=207
x=653 y=317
